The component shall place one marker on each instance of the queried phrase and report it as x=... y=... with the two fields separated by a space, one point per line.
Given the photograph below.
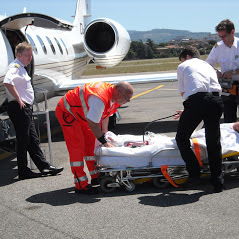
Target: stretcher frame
x=161 y=177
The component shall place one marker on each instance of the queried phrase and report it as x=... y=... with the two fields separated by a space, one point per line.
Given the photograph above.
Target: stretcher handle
x=147 y=125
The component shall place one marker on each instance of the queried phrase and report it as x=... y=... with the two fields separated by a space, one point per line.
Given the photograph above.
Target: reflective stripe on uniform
x=82 y=98
x=89 y=158
x=77 y=164
x=93 y=172
x=67 y=106
x=80 y=179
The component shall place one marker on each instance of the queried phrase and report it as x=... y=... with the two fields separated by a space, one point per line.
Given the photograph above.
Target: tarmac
x=47 y=207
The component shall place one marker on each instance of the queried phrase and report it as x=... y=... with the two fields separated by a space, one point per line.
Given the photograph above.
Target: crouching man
x=83 y=114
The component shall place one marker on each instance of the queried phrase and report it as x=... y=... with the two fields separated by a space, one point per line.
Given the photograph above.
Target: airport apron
x=71 y=113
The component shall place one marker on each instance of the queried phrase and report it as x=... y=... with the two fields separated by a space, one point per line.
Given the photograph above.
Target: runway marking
x=146 y=92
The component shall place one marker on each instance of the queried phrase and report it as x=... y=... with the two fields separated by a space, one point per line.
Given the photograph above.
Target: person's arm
x=96 y=129
x=105 y=124
x=212 y=60
x=13 y=91
x=180 y=81
x=96 y=109
x=229 y=74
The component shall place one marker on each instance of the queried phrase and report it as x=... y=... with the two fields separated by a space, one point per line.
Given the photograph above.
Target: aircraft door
x=6 y=56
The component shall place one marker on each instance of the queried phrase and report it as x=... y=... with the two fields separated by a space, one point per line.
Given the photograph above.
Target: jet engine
x=106 y=42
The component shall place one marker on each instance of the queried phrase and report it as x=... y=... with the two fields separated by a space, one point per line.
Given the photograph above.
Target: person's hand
x=179 y=113
x=219 y=74
x=227 y=75
x=108 y=145
x=21 y=103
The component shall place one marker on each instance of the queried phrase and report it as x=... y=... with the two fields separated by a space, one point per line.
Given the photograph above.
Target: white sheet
x=162 y=150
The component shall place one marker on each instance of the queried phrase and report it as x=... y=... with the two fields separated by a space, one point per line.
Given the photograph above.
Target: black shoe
x=218 y=188
x=28 y=174
x=95 y=181
x=192 y=182
x=52 y=170
x=89 y=190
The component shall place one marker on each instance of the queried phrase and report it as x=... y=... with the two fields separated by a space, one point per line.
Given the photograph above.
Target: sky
x=140 y=15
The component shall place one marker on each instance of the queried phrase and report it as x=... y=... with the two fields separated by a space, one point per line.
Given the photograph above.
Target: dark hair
x=189 y=51
x=225 y=25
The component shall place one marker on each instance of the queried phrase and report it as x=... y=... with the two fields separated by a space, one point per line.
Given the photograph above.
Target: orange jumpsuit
x=71 y=113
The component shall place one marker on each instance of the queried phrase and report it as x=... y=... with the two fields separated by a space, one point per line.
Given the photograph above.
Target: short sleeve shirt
x=96 y=109
x=195 y=75
x=17 y=76
x=226 y=57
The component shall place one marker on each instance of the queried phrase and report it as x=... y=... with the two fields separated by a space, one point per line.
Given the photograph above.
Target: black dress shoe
x=218 y=188
x=89 y=190
x=52 y=170
x=28 y=174
x=192 y=182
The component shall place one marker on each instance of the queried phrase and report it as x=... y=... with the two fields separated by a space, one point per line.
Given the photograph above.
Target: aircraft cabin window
x=42 y=44
x=64 y=46
x=34 y=48
x=58 y=43
x=51 y=45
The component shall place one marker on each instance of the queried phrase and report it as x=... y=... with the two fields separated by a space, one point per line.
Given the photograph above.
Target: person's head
x=188 y=52
x=123 y=91
x=23 y=52
x=236 y=126
x=225 y=30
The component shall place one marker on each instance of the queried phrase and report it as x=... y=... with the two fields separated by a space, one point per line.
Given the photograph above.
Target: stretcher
x=158 y=159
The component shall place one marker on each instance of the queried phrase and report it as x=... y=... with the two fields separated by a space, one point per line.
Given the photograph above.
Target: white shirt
x=195 y=75
x=17 y=76
x=226 y=57
x=96 y=109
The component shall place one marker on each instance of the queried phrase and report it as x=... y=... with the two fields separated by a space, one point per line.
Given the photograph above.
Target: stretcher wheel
x=130 y=186
x=105 y=182
x=160 y=183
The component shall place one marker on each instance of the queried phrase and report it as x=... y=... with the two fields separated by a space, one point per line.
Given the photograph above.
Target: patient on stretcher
x=157 y=149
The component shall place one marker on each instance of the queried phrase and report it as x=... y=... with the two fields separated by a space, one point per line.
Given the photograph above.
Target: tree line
x=150 y=50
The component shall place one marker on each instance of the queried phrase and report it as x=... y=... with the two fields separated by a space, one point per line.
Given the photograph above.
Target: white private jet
x=61 y=50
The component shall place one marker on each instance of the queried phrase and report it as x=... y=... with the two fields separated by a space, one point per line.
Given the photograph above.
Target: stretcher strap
x=197 y=151
x=164 y=170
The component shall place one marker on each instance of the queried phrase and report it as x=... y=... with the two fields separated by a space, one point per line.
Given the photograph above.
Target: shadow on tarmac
x=165 y=197
x=7 y=170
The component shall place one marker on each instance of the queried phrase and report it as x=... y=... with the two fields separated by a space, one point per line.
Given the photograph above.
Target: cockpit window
x=34 y=48
x=51 y=45
x=64 y=45
x=58 y=43
x=42 y=44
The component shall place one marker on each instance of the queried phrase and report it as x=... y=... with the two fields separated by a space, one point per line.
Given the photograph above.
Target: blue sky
x=192 y=15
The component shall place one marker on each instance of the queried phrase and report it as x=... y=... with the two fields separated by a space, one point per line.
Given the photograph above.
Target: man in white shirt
x=199 y=87
x=226 y=54
x=20 y=97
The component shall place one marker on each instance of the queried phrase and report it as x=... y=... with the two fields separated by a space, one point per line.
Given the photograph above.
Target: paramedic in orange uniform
x=83 y=114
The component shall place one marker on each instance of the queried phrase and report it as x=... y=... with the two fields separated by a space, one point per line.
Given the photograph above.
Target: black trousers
x=27 y=138
x=198 y=107
x=230 y=108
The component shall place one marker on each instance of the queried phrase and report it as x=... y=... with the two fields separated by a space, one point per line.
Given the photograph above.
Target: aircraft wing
x=132 y=78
